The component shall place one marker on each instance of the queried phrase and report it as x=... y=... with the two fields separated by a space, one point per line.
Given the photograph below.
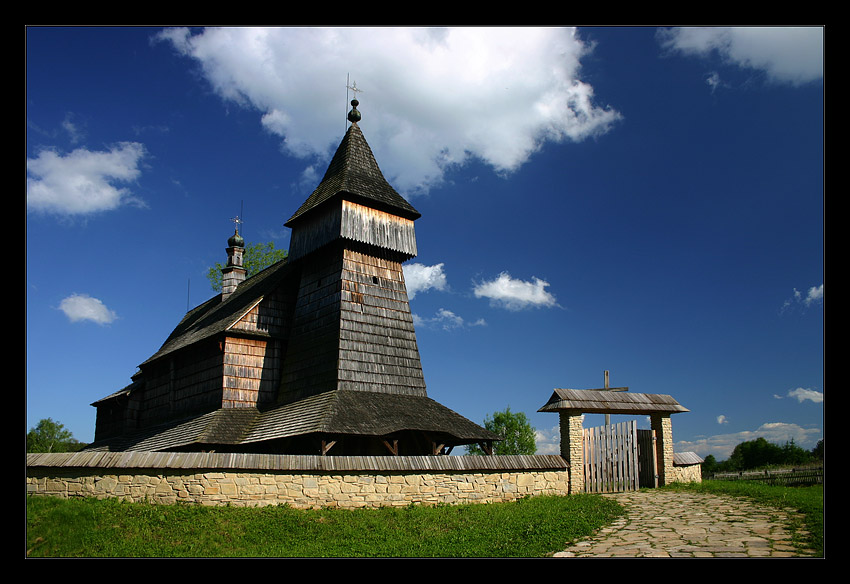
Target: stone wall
x=691 y=473
x=572 y=447
x=663 y=427
x=302 y=489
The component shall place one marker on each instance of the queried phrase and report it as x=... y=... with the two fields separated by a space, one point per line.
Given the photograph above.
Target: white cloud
x=813 y=296
x=74 y=133
x=721 y=445
x=431 y=97
x=514 y=294
x=548 y=441
x=79 y=307
x=421 y=278
x=445 y=319
x=721 y=419
x=83 y=181
x=786 y=54
x=802 y=394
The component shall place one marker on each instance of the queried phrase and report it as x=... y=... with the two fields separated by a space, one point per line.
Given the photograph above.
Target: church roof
x=337 y=412
x=365 y=413
x=216 y=315
x=354 y=173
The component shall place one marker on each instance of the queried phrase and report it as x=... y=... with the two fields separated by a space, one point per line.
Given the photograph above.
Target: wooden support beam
x=487 y=447
x=327 y=445
x=393 y=448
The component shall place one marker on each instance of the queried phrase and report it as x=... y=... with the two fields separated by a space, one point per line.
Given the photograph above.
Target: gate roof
x=593 y=401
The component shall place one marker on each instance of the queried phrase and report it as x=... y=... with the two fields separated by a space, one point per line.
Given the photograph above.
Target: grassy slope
x=531 y=527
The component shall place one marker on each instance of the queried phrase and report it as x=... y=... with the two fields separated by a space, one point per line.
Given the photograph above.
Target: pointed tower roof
x=353 y=173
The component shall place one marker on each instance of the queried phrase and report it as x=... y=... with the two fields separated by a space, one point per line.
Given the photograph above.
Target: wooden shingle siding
x=189 y=380
x=342 y=219
x=250 y=367
x=352 y=327
x=311 y=359
x=270 y=316
x=378 y=350
x=315 y=232
x=374 y=227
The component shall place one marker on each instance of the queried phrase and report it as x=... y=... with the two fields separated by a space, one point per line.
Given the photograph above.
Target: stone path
x=694 y=525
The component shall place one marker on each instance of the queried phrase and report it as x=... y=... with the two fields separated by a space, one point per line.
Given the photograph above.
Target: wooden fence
x=793 y=476
x=611 y=458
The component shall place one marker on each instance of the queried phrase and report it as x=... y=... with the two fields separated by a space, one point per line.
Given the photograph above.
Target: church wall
x=310 y=363
x=188 y=381
x=251 y=365
x=315 y=232
x=378 y=350
x=250 y=369
x=114 y=417
x=353 y=222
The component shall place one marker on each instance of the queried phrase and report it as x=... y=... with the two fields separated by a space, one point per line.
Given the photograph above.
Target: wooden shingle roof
x=611 y=402
x=366 y=414
x=215 y=315
x=337 y=412
x=222 y=426
x=353 y=173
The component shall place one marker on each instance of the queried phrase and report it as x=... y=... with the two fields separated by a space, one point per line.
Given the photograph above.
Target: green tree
x=755 y=454
x=257 y=257
x=50 y=436
x=817 y=451
x=793 y=454
x=709 y=465
x=760 y=453
x=518 y=436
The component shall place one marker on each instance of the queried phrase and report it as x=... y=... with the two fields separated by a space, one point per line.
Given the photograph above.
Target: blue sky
x=639 y=200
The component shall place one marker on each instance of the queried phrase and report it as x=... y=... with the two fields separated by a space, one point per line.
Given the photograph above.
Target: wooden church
x=313 y=355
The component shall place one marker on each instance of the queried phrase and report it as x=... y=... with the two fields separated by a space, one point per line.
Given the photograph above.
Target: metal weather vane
x=352 y=86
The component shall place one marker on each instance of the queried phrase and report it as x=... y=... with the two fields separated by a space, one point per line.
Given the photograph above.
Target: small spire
x=354 y=115
x=236 y=239
x=234 y=272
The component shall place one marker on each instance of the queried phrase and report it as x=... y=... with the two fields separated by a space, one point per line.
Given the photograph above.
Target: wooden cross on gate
x=607 y=388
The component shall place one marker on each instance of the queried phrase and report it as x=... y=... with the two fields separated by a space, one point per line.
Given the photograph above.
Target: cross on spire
x=353 y=87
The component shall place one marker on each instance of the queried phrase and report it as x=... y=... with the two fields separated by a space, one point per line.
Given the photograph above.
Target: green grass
x=531 y=527
x=806 y=533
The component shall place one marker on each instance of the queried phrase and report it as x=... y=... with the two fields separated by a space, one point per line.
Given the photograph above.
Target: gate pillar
x=572 y=449
x=663 y=427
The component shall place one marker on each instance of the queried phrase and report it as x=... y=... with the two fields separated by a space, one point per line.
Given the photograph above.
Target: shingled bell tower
x=315 y=355
x=352 y=327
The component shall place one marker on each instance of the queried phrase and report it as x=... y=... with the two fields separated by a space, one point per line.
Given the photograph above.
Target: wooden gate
x=647 y=462
x=618 y=457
